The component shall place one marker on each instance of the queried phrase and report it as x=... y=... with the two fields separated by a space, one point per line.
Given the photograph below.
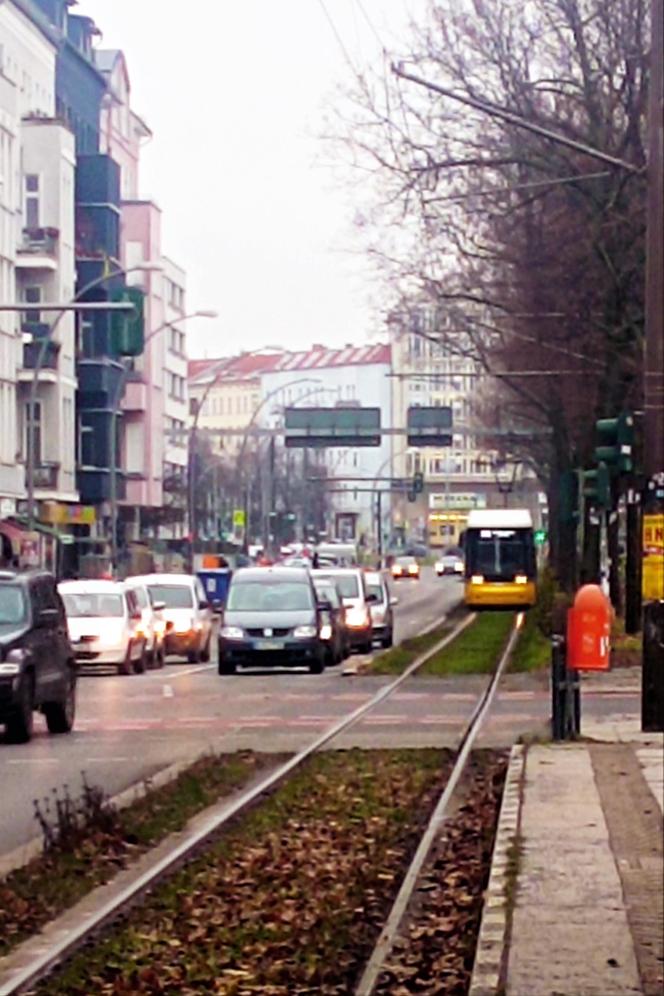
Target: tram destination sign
x=328 y=427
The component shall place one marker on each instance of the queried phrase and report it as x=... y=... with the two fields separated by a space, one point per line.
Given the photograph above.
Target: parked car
x=333 y=630
x=381 y=607
x=188 y=609
x=105 y=624
x=271 y=618
x=37 y=664
x=350 y=582
x=450 y=562
x=406 y=567
x=153 y=624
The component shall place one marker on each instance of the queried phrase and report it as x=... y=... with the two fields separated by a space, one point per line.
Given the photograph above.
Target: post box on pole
x=589 y=630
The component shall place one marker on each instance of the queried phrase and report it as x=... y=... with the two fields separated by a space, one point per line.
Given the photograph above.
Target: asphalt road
x=129 y=728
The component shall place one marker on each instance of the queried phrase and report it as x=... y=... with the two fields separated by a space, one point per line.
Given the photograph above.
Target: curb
x=493 y=935
x=24 y=853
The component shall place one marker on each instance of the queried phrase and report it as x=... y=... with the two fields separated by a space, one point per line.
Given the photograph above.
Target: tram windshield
x=500 y=554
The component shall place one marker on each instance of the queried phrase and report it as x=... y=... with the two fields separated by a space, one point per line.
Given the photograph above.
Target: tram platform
x=574 y=905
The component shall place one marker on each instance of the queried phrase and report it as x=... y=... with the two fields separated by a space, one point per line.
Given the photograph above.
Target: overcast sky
x=234 y=93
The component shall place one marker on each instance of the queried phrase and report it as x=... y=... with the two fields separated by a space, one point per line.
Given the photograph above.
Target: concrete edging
x=492 y=940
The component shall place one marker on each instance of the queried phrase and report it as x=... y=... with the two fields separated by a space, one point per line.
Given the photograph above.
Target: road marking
x=160 y=675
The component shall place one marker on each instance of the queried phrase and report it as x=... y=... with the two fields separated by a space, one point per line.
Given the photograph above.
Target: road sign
x=456 y=499
x=429 y=426
x=319 y=427
x=653 y=557
x=239 y=518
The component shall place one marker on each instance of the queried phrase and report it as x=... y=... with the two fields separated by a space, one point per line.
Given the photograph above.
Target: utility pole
x=652 y=702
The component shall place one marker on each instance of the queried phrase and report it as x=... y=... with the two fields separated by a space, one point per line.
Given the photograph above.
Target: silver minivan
x=187 y=608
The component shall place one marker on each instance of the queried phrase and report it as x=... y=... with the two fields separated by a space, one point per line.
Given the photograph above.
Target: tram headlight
x=520 y=579
x=477 y=579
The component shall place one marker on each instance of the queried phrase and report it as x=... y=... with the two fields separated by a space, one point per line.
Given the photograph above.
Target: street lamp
x=504 y=472
x=146 y=267
x=122 y=383
x=200 y=404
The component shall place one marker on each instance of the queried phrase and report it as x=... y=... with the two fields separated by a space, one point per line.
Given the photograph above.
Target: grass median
x=473 y=651
x=88 y=840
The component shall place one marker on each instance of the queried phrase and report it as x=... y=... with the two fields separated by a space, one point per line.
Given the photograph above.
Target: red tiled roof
x=247 y=365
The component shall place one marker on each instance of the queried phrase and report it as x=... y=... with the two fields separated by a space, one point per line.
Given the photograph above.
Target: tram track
x=49 y=954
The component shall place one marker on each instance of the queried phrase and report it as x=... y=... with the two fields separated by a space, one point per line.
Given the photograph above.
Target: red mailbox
x=589 y=630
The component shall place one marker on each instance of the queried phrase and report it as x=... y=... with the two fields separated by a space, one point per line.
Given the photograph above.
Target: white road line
x=167 y=675
x=33 y=760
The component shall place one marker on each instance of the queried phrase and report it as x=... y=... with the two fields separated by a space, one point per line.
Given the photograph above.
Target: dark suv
x=37 y=666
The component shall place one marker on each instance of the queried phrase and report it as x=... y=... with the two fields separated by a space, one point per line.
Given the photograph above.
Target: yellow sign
x=239 y=518
x=58 y=514
x=652 y=585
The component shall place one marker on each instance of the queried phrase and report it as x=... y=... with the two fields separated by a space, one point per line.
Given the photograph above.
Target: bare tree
x=530 y=249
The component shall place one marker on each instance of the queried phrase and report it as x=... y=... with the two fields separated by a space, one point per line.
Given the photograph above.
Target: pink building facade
x=142 y=435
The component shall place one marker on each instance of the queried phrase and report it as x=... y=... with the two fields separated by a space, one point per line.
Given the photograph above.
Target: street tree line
x=527 y=251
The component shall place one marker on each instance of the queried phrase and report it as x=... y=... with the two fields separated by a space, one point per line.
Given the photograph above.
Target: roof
x=500 y=518
x=278 y=573
x=183 y=579
x=91 y=585
x=247 y=365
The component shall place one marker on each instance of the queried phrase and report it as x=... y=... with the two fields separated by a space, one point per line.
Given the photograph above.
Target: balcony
x=31 y=352
x=136 y=396
x=38 y=249
x=46 y=476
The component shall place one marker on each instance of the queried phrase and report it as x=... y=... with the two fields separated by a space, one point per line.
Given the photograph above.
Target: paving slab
x=562 y=944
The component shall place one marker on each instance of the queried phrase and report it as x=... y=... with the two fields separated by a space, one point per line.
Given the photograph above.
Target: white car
x=153 y=623
x=451 y=562
x=105 y=624
x=187 y=608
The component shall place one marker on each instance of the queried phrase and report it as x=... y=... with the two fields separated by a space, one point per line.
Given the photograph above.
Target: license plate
x=269 y=645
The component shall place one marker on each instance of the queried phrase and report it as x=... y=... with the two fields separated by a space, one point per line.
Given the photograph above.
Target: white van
x=186 y=606
x=105 y=624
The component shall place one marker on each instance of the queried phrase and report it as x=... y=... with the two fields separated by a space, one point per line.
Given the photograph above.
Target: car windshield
x=348 y=585
x=93 y=605
x=453 y=551
x=327 y=591
x=376 y=590
x=174 y=596
x=272 y=596
x=12 y=605
x=406 y=561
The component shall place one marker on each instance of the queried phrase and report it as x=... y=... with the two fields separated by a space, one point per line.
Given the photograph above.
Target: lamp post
x=191 y=483
x=113 y=455
x=252 y=421
x=505 y=477
x=147 y=266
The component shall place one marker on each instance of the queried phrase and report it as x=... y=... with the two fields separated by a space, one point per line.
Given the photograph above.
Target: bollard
x=652 y=689
x=558 y=686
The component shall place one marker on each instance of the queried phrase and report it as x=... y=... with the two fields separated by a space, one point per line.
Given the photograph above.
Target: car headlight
x=520 y=579
x=357 y=617
x=477 y=579
x=326 y=632
x=305 y=632
x=9 y=669
x=232 y=632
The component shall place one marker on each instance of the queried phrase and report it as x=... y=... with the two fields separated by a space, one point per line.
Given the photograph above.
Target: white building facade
x=176 y=401
x=36 y=261
x=349 y=377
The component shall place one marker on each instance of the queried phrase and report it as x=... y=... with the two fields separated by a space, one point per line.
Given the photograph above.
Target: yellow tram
x=501 y=565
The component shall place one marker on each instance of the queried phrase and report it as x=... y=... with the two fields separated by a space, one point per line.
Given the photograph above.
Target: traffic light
x=615 y=443
x=418 y=482
x=128 y=330
x=597 y=486
x=412 y=496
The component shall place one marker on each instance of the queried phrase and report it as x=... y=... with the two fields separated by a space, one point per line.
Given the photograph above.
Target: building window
x=36 y=431
x=32 y=295
x=32 y=207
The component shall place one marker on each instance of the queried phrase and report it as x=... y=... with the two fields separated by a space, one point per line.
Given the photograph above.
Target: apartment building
x=176 y=402
x=456 y=478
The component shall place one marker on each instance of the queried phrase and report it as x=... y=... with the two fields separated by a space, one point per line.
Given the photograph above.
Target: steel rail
x=53 y=954
x=388 y=935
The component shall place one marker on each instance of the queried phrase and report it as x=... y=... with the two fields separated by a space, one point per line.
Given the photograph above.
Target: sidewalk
x=574 y=904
